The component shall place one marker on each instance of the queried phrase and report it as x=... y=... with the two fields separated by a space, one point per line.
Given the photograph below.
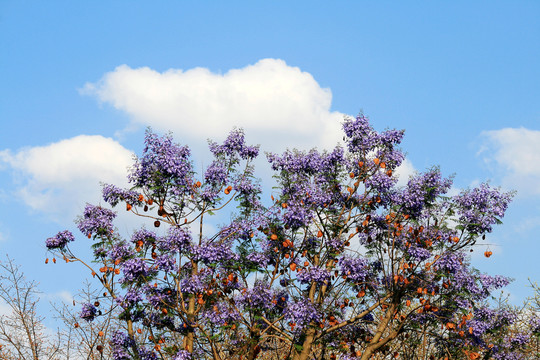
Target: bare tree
x=88 y=339
x=22 y=332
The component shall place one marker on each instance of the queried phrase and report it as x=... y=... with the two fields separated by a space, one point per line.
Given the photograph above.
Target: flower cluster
x=163 y=162
x=259 y=298
x=234 y=145
x=354 y=268
x=421 y=191
x=96 y=220
x=131 y=298
x=178 y=239
x=88 y=312
x=60 y=240
x=135 y=270
x=182 y=355
x=481 y=207
x=119 y=343
x=301 y=313
x=313 y=274
x=221 y=314
x=113 y=195
x=213 y=253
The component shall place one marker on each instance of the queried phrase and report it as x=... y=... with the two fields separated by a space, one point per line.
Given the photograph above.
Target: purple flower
x=313 y=273
x=88 y=312
x=165 y=262
x=135 y=270
x=259 y=298
x=131 y=298
x=120 y=251
x=182 y=355
x=113 y=195
x=481 y=207
x=216 y=174
x=119 y=343
x=421 y=191
x=260 y=259
x=356 y=269
x=96 y=220
x=302 y=313
x=534 y=324
x=234 y=145
x=211 y=253
x=220 y=314
x=60 y=240
x=178 y=239
x=146 y=236
x=162 y=163
x=418 y=253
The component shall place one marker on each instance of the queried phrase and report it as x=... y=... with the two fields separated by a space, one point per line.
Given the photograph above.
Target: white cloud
x=404 y=172
x=278 y=105
x=59 y=178
x=514 y=155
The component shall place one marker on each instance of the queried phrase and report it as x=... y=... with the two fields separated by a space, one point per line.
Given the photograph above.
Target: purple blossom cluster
x=213 y=253
x=135 y=270
x=182 y=355
x=481 y=207
x=535 y=324
x=418 y=253
x=195 y=284
x=96 y=220
x=130 y=299
x=120 y=251
x=421 y=190
x=362 y=139
x=258 y=298
x=165 y=262
x=308 y=179
x=162 y=162
x=486 y=320
x=313 y=274
x=234 y=145
x=450 y=262
x=490 y=283
x=259 y=259
x=113 y=195
x=120 y=341
x=216 y=174
x=301 y=313
x=60 y=240
x=380 y=183
x=178 y=239
x=146 y=236
x=88 y=312
x=221 y=314
x=355 y=268
x=160 y=296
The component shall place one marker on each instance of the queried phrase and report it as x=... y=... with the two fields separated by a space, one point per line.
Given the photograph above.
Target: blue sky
x=80 y=81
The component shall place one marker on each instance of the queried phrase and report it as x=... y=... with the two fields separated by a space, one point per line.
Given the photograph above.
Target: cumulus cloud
x=278 y=105
x=514 y=156
x=57 y=179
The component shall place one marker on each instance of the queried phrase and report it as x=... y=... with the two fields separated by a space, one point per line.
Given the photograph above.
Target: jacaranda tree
x=342 y=263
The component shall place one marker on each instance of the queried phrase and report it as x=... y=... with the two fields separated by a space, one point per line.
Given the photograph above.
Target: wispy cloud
x=513 y=155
